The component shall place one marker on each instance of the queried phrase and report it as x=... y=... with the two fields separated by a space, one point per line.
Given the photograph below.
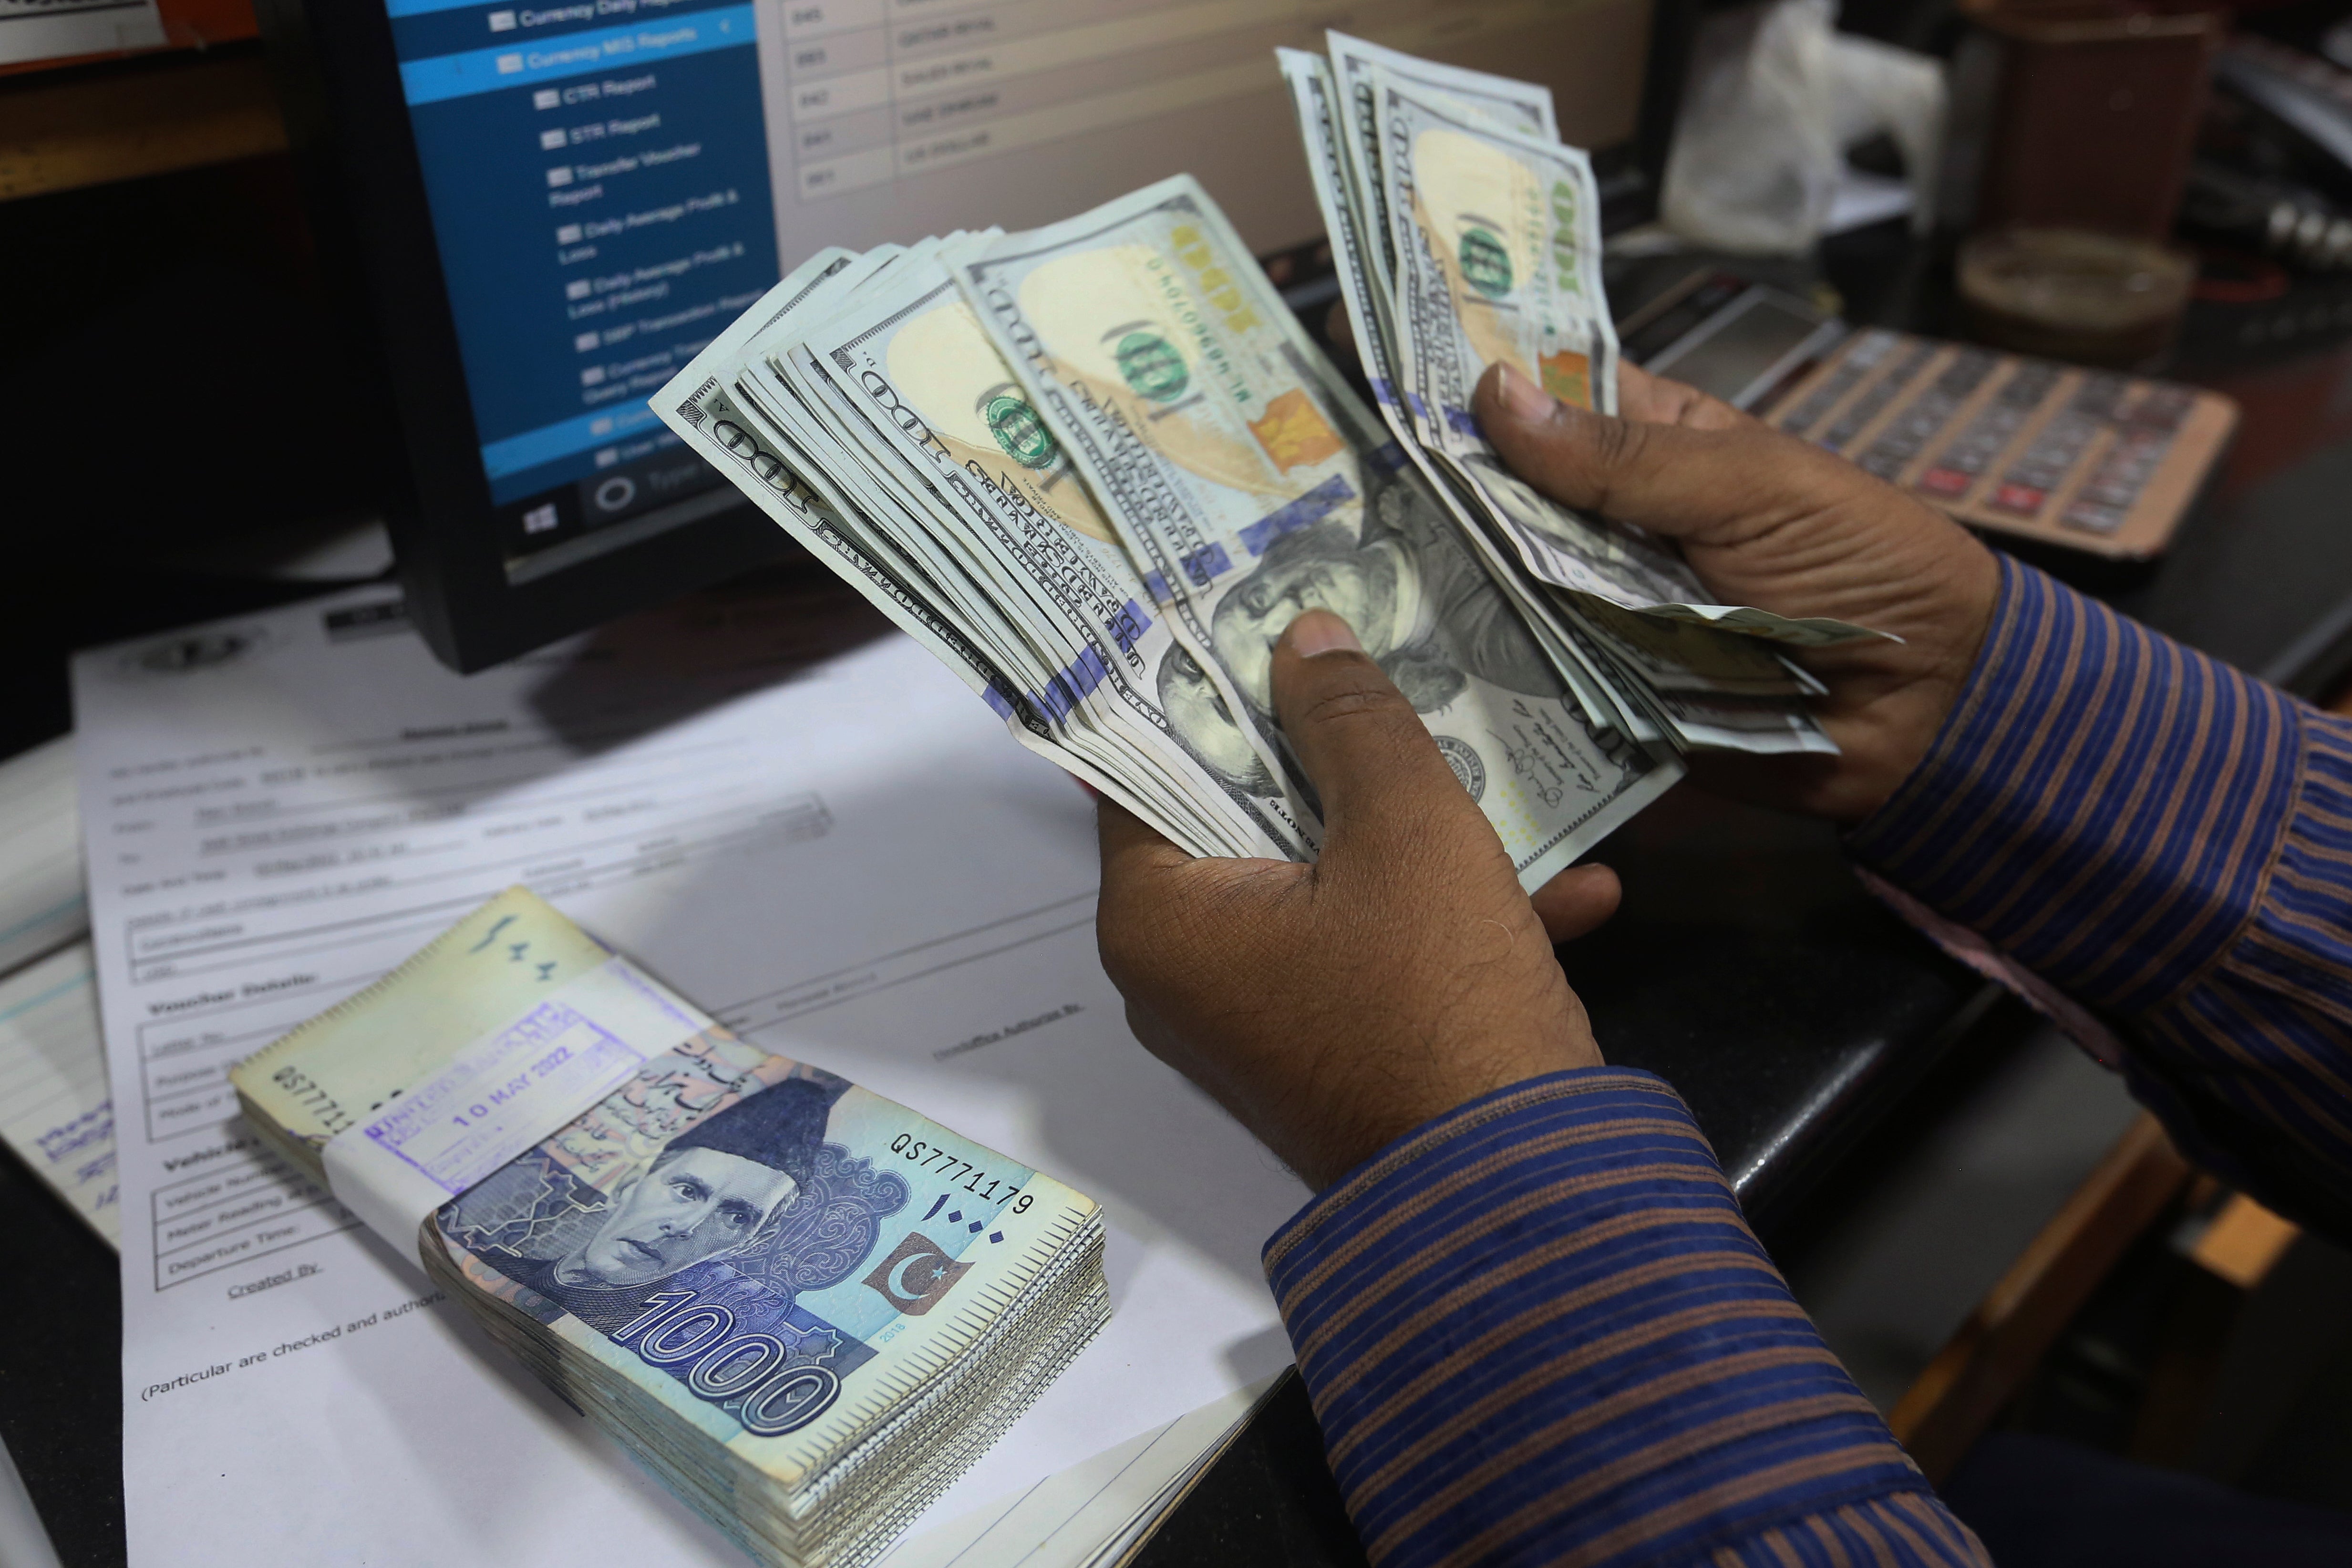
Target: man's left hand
x=1334 y=1007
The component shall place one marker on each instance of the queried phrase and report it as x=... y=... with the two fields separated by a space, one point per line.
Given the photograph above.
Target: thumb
x=1380 y=777
x=1670 y=478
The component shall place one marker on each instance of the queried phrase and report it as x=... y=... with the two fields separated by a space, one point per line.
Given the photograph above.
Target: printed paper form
x=41 y=902
x=850 y=861
x=1094 y=1514
x=54 y=1110
x=53 y=1100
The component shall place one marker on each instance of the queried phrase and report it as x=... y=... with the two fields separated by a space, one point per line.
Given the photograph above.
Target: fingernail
x=1320 y=632
x=1525 y=399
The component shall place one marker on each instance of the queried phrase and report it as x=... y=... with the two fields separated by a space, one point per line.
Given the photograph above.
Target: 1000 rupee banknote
x=821 y=1281
x=1250 y=484
x=804 y=1306
x=1496 y=241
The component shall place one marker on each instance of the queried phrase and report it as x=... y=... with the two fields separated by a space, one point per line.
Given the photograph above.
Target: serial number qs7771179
x=960 y=1173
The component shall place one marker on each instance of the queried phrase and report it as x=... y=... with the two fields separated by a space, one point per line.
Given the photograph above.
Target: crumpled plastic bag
x=1875 y=88
x=1774 y=98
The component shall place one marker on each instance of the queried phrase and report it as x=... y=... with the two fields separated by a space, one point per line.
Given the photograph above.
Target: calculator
x=2087 y=459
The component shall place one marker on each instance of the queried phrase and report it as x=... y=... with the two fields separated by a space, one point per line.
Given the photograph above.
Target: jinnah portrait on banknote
x=1425 y=608
x=714 y=1191
x=738 y=1235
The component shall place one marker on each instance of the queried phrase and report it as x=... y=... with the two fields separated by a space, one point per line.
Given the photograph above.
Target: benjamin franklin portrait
x=1424 y=607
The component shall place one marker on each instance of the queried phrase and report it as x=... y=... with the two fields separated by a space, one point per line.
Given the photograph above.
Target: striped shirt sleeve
x=2168 y=843
x=1539 y=1330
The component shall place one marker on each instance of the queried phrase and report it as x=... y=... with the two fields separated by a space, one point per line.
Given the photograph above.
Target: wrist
x=1891 y=703
x=1892 y=744
x=2103 y=804
x=1551 y=1295
x=1345 y=1153
x=1332 y=1131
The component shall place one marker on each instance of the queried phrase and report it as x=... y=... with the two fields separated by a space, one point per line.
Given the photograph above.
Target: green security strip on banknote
x=803 y=1308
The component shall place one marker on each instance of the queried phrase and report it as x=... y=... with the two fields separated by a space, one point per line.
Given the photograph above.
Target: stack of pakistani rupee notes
x=804 y=1309
x=1098 y=467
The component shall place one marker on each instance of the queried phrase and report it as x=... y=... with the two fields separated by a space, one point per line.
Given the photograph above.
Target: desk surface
x=1747 y=966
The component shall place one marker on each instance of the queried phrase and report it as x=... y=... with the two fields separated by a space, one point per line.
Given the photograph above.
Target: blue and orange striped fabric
x=1539 y=1330
x=2170 y=843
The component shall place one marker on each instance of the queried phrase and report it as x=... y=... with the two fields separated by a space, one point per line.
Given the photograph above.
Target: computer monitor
x=543 y=208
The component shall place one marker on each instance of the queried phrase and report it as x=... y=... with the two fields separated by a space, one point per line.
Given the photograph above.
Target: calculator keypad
x=1960 y=463
x=2043 y=468
x=1998 y=439
x=1908 y=432
x=1866 y=355
x=2142 y=441
x=1875 y=399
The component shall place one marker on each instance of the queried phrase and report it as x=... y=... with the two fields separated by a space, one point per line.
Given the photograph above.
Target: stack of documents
x=1097 y=470
x=54 y=1108
x=806 y=1309
x=1096 y=1514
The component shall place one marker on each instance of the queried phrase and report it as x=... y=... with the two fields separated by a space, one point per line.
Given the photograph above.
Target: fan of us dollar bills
x=1098 y=467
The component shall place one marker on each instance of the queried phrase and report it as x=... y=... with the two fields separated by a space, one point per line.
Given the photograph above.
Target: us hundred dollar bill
x=804 y=1307
x=813 y=502
x=702 y=406
x=1518 y=105
x=1496 y=239
x=1249 y=483
x=1020 y=589
x=931 y=385
x=1316 y=98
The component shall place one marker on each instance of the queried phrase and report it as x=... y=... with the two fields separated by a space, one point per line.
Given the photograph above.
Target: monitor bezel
x=415 y=437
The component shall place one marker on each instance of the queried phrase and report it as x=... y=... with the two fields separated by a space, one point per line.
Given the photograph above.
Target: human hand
x=1334 y=1007
x=1768 y=520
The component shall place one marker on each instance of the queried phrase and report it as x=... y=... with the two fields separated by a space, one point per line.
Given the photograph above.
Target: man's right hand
x=1771 y=521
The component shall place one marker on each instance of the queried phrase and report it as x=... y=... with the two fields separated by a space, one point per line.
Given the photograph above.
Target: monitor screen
x=611 y=181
